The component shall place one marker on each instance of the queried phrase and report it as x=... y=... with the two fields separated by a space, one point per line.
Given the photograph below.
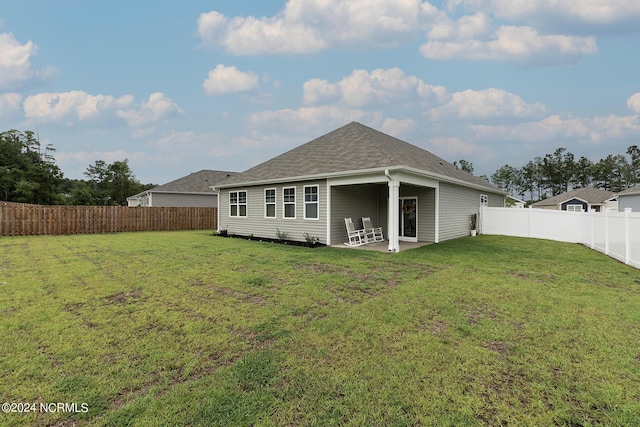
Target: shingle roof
x=352 y=147
x=630 y=191
x=590 y=195
x=197 y=182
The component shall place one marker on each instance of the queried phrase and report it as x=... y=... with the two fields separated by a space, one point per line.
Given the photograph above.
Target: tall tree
x=123 y=182
x=98 y=175
x=559 y=169
x=111 y=184
x=634 y=165
x=583 y=176
x=28 y=172
x=611 y=172
x=531 y=179
x=464 y=165
x=506 y=178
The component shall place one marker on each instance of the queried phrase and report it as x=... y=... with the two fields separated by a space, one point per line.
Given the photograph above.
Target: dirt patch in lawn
x=124 y=298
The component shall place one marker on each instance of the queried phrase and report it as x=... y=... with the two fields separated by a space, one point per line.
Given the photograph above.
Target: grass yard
x=183 y=328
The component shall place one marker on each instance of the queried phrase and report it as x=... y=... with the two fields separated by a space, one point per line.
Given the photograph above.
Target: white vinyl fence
x=616 y=234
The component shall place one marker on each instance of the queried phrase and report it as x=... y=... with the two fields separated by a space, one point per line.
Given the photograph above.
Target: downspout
x=213 y=188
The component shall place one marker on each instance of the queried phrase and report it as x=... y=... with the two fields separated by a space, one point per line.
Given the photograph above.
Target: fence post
x=593 y=220
x=606 y=231
x=627 y=237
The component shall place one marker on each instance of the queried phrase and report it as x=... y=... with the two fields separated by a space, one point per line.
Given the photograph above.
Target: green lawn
x=183 y=328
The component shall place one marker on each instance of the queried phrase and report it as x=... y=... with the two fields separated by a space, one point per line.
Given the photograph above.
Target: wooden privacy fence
x=18 y=219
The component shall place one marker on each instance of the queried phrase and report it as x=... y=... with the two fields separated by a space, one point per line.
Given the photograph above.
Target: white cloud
x=467 y=27
x=74 y=105
x=508 y=42
x=310 y=118
x=306 y=26
x=594 y=130
x=634 y=102
x=398 y=127
x=566 y=16
x=15 y=65
x=9 y=103
x=158 y=107
x=453 y=146
x=488 y=103
x=362 y=88
x=588 y=11
x=225 y=80
x=89 y=157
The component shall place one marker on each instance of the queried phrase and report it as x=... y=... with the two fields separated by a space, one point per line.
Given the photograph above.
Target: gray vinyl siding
x=372 y=200
x=426 y=210
x=632 y=202
x=457 y=204
x=496 y=200
x=184 y=200
x=355 y=202
x=257 y=225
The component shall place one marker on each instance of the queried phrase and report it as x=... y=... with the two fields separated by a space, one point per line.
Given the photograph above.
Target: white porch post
x=394 y=215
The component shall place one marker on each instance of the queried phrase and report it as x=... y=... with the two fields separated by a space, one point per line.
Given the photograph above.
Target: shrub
x=312 y=241
x=281 y=235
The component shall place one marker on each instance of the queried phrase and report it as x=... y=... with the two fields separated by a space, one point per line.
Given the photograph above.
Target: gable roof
x=352 y=147
x=196 y=182
x=630 y=191
x=591 y=195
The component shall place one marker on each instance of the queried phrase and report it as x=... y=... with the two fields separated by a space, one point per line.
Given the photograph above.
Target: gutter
x=386 y=171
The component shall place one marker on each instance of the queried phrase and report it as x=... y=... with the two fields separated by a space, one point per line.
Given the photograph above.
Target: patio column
x=394 y=215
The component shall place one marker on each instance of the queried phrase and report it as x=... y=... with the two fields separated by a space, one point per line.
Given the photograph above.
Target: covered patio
x=403 y=204
x=384 y=246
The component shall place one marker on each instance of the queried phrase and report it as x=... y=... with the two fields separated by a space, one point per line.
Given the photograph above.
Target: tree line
x=29 y=174
x=559 y=172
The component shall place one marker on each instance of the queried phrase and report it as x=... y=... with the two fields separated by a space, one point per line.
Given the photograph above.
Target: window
x=270 y=203
x=311 y=202
x=574 y=208
x=238 y=203
x=289 y=201
x=484 y=200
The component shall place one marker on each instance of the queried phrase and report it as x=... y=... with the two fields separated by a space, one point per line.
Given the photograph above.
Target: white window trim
x=574 y=206
x=317 y=202
x=238 y=204
x=295 y=203
x=484 y=200
x=274 y=203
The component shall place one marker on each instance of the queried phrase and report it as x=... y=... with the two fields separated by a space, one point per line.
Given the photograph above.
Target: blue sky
x=175 y=87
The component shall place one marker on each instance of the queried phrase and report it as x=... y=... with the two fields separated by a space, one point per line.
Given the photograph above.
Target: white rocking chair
x=356 y=237
x=371 y=233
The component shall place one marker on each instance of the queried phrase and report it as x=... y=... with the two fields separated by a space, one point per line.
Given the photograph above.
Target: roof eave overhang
x=357 y=172
x=202 y=193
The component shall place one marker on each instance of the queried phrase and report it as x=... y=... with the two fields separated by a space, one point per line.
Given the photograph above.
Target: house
x=514 y=202
x=629 y=198
x=354 y=171
x=191 y=190
x=580 y=200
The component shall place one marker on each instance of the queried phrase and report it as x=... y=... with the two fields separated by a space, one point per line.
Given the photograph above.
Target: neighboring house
x=629 y=198
x=192 y=190
x=580 y=200
x=514 y=202
x=354 y=171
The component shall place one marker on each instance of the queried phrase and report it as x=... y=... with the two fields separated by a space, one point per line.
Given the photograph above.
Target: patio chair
x=371 y=233
x=356 y=237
